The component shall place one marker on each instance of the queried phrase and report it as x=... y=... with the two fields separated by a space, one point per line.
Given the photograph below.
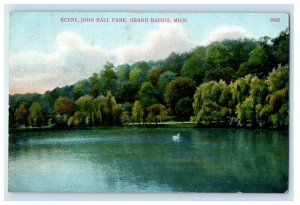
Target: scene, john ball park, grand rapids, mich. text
x=148 y=102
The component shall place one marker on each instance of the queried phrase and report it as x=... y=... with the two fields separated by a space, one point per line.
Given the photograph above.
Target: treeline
x=249 y=101
x=233 y=82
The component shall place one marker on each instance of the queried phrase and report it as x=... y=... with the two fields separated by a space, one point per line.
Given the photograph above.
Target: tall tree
x=85 y=104
x=154 y=74
x=147 y=94
x=64 y=106
x=36 y=115
x=22 y=114
x=109 y=79
x=137 y=111
x=179 y=88
x=194 y=67
x=157 y=112
x=95 y=88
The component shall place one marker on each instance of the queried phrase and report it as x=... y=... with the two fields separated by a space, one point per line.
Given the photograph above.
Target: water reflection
x=144 y=160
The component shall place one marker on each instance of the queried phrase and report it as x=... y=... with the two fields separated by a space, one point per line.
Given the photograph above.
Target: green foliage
x=212 y=91
x=174 y=62
x=36 y=115
x=153 y=75
x=125 y=117
x=147 y=94
x=226 y=74
x=166 y=78
x=123 y=73
x=246 y=112
x=211 y=113
x=64 y=106
x=98 y=110
x=278 y=79
x=84 y=104
x=157 y=112
x=263 y=114
x=112 y=110
x=109 y=79
x=22 y=114
x=218 y=56
x=177 y=89
x=240 y=89
x=260 y=62
x=95 y=88
x=236 y=80
x=212 y=97
x=137 y=112
x=258 y=90
x=135 y=76
x=80 y=89
x=183 y=108
x=281 y=47
x=127 y=92
x=79 y=119
x=194 y=67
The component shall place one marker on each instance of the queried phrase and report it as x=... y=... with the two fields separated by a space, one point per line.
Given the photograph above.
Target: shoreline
x=150 y=126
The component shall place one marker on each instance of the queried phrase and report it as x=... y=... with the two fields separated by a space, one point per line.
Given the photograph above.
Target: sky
x=46 y=52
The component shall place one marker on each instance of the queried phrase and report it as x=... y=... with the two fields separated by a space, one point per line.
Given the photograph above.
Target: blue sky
x=63 y=53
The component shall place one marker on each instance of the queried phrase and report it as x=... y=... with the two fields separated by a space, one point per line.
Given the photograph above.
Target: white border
x=158 y=8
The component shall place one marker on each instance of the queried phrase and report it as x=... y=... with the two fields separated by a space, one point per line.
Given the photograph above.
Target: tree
x=22 y=114
x=112 y=110
x=226 y=74
x=80 y=89
x=157 y=112
x=36 y=115
x=260 y=62
x=281 y=47
x=178 y=88
x=85 y=105
x=194 y=67
x=79 y=119
x=210 y=113
x=166 y=78
x=153 y=75
x=258 y=90
x=95 y=88
x=240 y=89
x=246 y=111
x=64 y=106
x=147 y=94
x=125 y=117
x=139 y=73
x=109 y=79
x=184 y=109
x=137 y=112
x=278 y=79
x=218 y=56
x=123 y=73
x=211 y=103
x=98 y=110
x=127 y=92
x=174 y=62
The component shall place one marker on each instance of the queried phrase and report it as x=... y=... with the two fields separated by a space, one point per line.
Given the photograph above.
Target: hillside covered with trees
x=229 y=83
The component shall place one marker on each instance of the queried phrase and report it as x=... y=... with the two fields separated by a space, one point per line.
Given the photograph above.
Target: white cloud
x=166 y=39
x=75 y=60
x=229 y=33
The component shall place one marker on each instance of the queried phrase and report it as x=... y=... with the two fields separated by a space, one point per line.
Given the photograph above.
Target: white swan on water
x=176 y=138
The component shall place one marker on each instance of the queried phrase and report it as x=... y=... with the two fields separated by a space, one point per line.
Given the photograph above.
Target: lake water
x=149 y=160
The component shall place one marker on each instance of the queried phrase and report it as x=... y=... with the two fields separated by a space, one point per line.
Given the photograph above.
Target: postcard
x=135 y=102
